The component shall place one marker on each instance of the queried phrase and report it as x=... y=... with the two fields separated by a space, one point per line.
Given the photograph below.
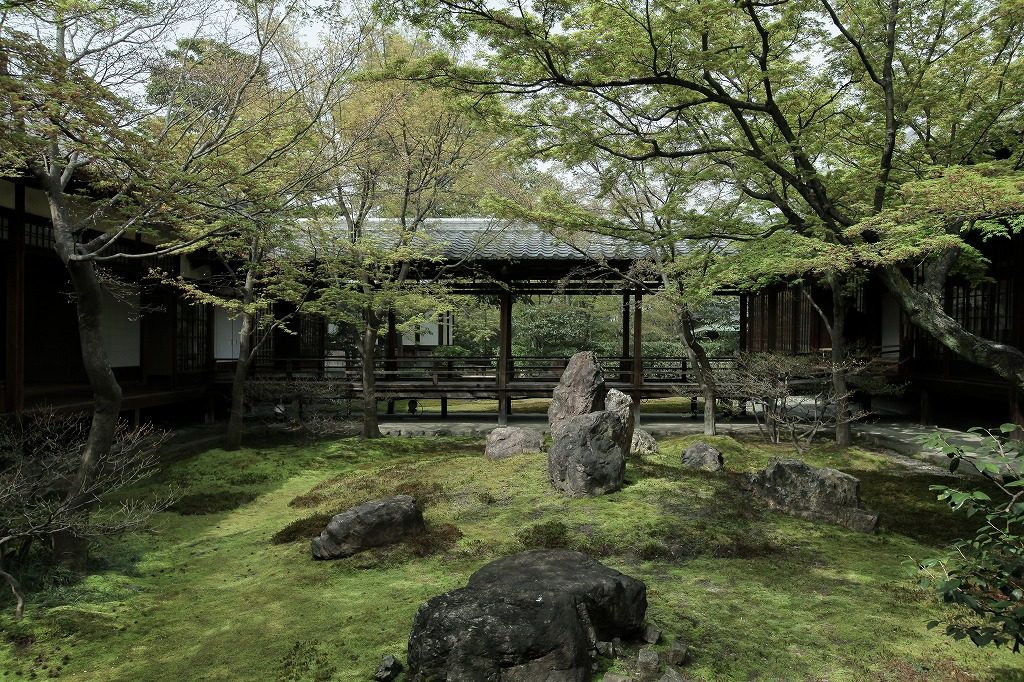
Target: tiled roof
x=474 y=239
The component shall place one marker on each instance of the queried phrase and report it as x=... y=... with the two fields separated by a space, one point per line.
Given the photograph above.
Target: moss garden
x=222 y=586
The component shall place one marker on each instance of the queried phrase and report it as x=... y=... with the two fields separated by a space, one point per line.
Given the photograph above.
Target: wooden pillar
x=624 y=365
x=638 y=351
x=444 y=407
x=504 y=356
x=14 y=376
x=744 y=321
x=391 y=342
x=927 y=418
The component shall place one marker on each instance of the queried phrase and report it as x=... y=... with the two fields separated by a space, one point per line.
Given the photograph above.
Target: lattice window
x=38 y=232
x=265 y=353
x=784 y=320
x=985 y=310
x=807 y=318
x=192 y=341
x=311 y=336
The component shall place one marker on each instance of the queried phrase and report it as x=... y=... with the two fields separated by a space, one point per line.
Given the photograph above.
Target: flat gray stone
x=678 y=652
x=798 y=489
x=648 y=661
x=509 y=441
x=373 y=524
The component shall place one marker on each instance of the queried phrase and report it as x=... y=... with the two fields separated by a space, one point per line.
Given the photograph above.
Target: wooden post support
x=744 y=322
x=444 y=407
x=624 y=366
x=14 y=372
x=391 y=343
x=926 y=418
x=504 y=356
x=1017 y=413
x=638 y=351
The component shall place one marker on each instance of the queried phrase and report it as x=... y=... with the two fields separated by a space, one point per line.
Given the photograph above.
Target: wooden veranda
x=506 y=261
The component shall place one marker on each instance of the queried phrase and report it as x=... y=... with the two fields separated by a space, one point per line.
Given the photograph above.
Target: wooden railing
x=472 y=370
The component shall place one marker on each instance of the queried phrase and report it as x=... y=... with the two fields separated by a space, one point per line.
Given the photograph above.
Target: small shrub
x=423 y=493
x=439 y=538
x=653 y=549
x=198 y=504
x=307 y=662
x=546 y=535
x=248 y=478
x=984 y=574
x=306 y=528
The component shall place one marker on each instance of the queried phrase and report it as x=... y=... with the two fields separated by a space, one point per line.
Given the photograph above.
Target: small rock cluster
x=591 y=431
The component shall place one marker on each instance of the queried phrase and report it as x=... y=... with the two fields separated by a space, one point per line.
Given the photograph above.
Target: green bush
x=984 y=574
x=198 y=504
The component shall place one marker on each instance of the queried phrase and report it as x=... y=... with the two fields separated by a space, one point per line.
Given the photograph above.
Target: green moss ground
x=758 y=595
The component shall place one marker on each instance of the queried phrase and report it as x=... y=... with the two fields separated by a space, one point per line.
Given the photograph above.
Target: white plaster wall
x=428 y=336
x=119 y=324
x=225 y=335
x=890 y=327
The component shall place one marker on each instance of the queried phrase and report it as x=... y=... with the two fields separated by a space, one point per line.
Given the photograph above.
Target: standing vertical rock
x=580 y=391
x=621 y=405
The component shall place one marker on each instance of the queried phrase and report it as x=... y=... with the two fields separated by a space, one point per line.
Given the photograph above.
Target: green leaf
x=1009 y=427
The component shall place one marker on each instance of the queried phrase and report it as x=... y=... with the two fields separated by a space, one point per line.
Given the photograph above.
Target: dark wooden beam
x=638 y=350
x=624 y=365
x=744 y=321
x=14 y=377
x=391 y=344
x=504 y=355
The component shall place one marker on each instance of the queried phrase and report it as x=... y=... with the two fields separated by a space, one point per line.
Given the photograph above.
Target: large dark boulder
x=508 y=441
x=376 y=523
x=588 y=455
x=799 y=489
x=529 y=617
x=580 y=390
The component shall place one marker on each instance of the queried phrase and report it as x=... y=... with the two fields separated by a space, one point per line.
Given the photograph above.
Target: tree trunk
x=705 y=375
x=840 y=387
x=72 y=551
x=368 y=353
x=236 y=422
x=12 y=582
x=925 y=308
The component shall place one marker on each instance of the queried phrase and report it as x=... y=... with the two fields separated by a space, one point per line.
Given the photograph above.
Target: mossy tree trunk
x=698 y=359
